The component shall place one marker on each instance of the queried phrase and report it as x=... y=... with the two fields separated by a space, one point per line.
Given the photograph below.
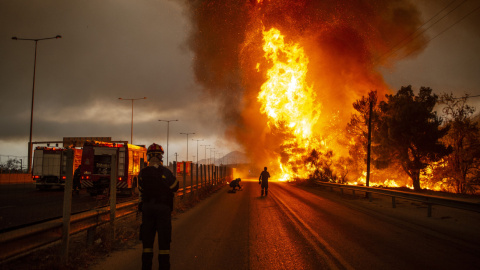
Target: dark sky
x=135 y=49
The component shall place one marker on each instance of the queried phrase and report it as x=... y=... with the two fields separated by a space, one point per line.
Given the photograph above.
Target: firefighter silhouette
x=76 y=181
x=263 y=180
x=234 y=184
x=157 y=186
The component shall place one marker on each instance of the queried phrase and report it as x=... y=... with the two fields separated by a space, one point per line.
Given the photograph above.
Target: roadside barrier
x=20 y=242
x=429 y=200
x=15 y=178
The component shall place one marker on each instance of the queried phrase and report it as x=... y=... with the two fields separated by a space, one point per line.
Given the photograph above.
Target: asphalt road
x=293 y=228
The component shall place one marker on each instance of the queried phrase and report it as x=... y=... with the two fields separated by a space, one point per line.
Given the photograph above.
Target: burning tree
x=460 y=169
x=409 y=132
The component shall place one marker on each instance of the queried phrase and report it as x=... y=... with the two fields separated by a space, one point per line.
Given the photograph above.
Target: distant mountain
x=230 y=158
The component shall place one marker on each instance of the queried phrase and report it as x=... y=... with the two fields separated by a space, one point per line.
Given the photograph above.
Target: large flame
x=289 y=102
x=270 y=63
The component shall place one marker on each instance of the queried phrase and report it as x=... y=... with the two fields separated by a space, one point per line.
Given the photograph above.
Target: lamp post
x=214 y=156
x=168 y=128
x=197 y=146
x=33 y=93
x=205 y=151
x=131 y=130
x=187 y=142
x=211 y=153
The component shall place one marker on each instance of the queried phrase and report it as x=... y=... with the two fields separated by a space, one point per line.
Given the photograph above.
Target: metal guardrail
x=21 y=241
x=429 y=200
x=27 y=239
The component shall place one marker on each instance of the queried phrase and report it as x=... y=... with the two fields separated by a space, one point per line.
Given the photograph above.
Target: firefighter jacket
x=157 y=185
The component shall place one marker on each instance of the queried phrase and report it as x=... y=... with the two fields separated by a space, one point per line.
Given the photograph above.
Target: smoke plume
x=345 y=41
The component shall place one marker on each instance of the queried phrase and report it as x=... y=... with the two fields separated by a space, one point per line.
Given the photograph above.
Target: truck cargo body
x=97 y=163
x=50 y=166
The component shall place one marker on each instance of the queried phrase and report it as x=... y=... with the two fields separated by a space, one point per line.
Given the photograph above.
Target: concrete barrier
x=16 y=178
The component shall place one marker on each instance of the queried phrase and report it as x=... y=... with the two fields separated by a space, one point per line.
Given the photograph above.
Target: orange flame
x=289 y=102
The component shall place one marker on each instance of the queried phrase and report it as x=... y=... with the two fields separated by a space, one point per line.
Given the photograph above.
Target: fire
x=289 y=102
x=258 y=74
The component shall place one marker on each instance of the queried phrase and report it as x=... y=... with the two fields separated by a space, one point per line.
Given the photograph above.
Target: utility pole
x=30 y=143
x=211 y=154
x=131 y=128
x=168 y=131
x=369 y=144
x=187 y=142
x=205 y=151
x=197 y=147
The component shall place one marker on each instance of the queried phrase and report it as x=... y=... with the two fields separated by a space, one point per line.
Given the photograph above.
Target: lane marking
x=299 y=222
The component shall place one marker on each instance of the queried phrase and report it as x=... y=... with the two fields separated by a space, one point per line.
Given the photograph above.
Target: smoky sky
x=109 y=49
x=348 y=43
x=192 y=60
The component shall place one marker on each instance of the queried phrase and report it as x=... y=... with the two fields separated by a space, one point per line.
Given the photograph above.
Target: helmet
x=155 y=150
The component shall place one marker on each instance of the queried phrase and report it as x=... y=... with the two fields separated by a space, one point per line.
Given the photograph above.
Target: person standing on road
x=263 y=180
x=157 y=186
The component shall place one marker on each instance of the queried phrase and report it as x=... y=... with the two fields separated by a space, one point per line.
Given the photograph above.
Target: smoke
x=345 y=41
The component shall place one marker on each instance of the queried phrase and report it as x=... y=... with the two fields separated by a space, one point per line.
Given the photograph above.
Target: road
x=293 y=228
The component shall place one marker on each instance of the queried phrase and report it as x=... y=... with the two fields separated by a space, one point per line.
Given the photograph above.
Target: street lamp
x=197 y=146
x=168 y=128
x=131 y=130
x=211 y=153
x=33 y=93
x=214 y=156
x=187 y=142
x=205 y=151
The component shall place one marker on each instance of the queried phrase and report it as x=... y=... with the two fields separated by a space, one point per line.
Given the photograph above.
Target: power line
x=466 y=96
x=400 y=45
x=407 y=37
x=461 y=19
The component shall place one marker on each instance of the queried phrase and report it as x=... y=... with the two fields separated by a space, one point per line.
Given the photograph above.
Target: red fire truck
x=96 y=166
x=50 y=166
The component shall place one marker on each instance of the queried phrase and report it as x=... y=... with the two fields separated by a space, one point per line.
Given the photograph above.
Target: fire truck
x=96 y=166
x=50 y=166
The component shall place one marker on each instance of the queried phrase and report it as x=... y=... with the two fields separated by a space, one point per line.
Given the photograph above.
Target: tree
x=409 y=132
x=12 y=165
x=321 y=165
x=357 y=129
x=461 y=168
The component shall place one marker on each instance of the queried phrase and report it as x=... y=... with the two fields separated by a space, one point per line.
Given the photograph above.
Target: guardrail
x=429 y=200
x=22 y=241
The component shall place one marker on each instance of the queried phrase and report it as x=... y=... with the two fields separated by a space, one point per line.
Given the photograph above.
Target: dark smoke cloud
x=346 y=41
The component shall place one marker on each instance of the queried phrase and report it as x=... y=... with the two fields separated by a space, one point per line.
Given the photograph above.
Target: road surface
x=295 y=229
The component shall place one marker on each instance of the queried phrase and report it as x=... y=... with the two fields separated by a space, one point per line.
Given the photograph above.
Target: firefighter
x=236 y=183
x=157 y=186
x=76 y=181
x=263 y=180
